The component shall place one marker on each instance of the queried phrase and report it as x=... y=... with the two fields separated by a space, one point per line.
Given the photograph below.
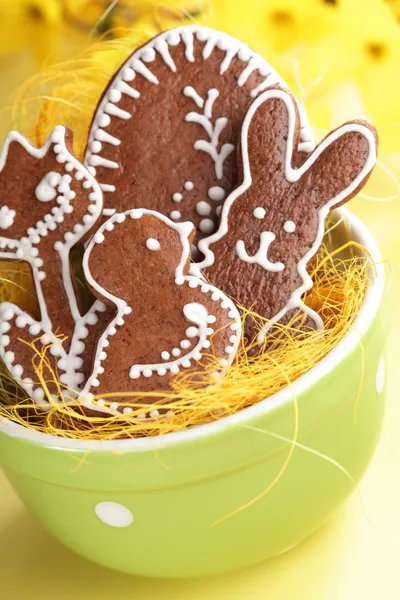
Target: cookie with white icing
x=272 y=225
x=165 y=321
x=165 y=132
x=49 y=204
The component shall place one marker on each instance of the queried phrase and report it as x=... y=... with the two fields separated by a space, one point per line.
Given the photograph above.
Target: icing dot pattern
x=7 y=216
x=206 y=226
x=289 y=226
x=203 y=208
x=259 y=212
x=216 y=193
x=54 y=187
x=198 y=333
x=153 y=244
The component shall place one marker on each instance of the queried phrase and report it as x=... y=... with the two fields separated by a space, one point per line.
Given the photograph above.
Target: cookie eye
x=7 y=216
x=153 y=244
x=259 y=212
x=289 y=226
x=46 y=191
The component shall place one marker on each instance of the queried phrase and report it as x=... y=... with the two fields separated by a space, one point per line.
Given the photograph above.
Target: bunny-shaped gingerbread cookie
x=273 y=223
x=165 y=321
x=49 y=203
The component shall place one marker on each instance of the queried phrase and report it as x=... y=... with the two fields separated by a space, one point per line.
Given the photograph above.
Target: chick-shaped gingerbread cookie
x=165 y=322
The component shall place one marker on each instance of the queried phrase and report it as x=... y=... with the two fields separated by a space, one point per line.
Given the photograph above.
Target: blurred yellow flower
x=340 y=56
x=111 y=16
x=331 y=52
x=29 y=24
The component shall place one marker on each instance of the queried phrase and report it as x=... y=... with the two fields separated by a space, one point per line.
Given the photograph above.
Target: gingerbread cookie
x=49 y=203
x=165 y=132
x=273 y=223
x=165 y=321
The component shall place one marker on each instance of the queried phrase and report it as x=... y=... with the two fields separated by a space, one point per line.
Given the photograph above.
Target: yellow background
x=354 y=556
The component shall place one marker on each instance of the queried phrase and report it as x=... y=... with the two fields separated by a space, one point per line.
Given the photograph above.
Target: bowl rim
x=362 y=323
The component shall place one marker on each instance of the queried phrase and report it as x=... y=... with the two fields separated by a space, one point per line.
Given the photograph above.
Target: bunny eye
x=153 y=244
x=46 y=191
x=259 y=212
x=289 y=226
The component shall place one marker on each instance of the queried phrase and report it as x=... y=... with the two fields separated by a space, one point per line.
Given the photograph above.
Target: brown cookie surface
x=165 y=132
x=165 y=322
x=273 y=223
x=49 y=204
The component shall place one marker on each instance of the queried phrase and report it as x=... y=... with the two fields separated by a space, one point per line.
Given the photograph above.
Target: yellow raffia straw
x=337 y=295
x=68 y=94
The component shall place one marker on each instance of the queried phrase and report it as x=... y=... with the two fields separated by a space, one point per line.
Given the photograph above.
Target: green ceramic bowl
x=148 y=506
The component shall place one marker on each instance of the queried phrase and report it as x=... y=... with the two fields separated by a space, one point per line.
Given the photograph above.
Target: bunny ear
x=340 y=165
x=270 y=136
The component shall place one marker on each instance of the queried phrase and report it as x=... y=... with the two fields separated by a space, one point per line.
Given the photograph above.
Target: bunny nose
x=261 y=256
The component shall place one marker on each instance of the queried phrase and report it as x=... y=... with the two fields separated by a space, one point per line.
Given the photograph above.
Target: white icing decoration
x=148 y=54
x=114 y=514
x=268 y=82
x=153 y=244
x=46 y=191
x=28 y=248
x=206 y=225
x=216 y=193
x=190 y=92
x=292 y=175
x=213 y=131
x=188 y=185
x=209 y=47
x=115 y=111
x=140 y=68
x=259 y=212
x=261 y=256
x=126 y=89
x=100 y=161
x=175 y=215
x=194 y=312
x=108 y=188
x=187 y=38
x=103 y=136
x=177 y=197
x=7 y=216
x=162 y=47
x=289 y=226
x=173 y=37
x=230 y=53
x=230 y=46
x=252 y=65
x=203 y=208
